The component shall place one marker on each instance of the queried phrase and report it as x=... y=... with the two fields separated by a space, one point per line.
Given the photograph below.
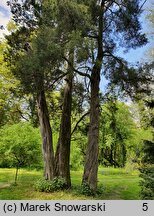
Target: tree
x=41 y=75
x=62 y=162
x=116 y=130
x=32 y=79
x=20 y=146
x=147 y=169
x=70 y=27
x=10 y=110
x=68 y=42
x=112 y=23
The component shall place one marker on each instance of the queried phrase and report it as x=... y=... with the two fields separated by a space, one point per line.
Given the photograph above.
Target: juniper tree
x=45 y=53
x=113 y=24
x=31 y=59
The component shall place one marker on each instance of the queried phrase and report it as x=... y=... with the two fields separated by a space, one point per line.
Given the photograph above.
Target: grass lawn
x=115 y=183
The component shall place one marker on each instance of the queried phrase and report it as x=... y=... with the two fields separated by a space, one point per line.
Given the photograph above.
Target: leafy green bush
x=86 y=190
x=20 y=146
x=147 y=182
x=58 y=183
x=43 y=185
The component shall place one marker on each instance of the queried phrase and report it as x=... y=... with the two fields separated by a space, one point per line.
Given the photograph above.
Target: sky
x=141 y=54
x=4 y=15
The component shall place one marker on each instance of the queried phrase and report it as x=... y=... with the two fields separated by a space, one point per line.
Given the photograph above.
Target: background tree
x=147 y=120
x=116 y=130
x=147 y=169
x=20 y=146
x=10 y=111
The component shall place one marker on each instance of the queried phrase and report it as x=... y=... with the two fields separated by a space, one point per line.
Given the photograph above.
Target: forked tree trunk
x=46 y=134
x=62 y=158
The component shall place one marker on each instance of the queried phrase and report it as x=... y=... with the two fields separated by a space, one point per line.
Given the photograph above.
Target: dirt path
x=4 y=185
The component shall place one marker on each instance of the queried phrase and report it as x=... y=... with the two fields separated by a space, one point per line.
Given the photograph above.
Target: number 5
x=145 y=207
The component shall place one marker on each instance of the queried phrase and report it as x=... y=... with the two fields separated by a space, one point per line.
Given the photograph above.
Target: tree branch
x=75 y=70
x=115 y=57
x=142 y=6
x=58 y=78
x=82 y=117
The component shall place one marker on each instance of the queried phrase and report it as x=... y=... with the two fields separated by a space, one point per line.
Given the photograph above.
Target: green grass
x=115 y=183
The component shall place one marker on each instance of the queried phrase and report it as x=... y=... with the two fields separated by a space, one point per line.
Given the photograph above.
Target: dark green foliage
x=147 y=182
x=86 y=190
x=128 y=23
x=58 y=183
x=149 y=151
x=116 y=129
x=147 y=171
x=128 y=80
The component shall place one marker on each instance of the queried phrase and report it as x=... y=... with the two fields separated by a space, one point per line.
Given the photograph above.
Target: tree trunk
x=62 y=158
x=115 y=152
x=16 y=175
x=91 y=160
x=46 y=133
x=124 y=154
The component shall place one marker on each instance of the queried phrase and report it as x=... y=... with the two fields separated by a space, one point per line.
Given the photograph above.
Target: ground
x=115 y=184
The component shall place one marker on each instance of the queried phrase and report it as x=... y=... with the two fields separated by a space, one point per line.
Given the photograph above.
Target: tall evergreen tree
x=32 y=64
x=113 y=24
x=62 y=157
x=61 y=40
x=69 y=29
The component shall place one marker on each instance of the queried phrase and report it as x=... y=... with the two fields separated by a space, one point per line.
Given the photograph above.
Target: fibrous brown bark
x=91 y=160
x=62 y=158
x=46 y=134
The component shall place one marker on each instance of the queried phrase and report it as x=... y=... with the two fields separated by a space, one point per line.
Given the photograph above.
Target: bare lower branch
x=75 y=70
x=57 y=79
x=142 y=5
x=82 y=117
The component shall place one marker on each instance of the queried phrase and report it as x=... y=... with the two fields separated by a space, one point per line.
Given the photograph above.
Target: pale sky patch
x=4 y=5
x=4 y=17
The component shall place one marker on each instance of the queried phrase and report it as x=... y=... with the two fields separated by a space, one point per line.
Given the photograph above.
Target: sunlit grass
x=115 y=184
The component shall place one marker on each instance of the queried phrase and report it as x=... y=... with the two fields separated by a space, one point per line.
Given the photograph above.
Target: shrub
x=147 y=182
x=86 y=190
x=58 y=183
